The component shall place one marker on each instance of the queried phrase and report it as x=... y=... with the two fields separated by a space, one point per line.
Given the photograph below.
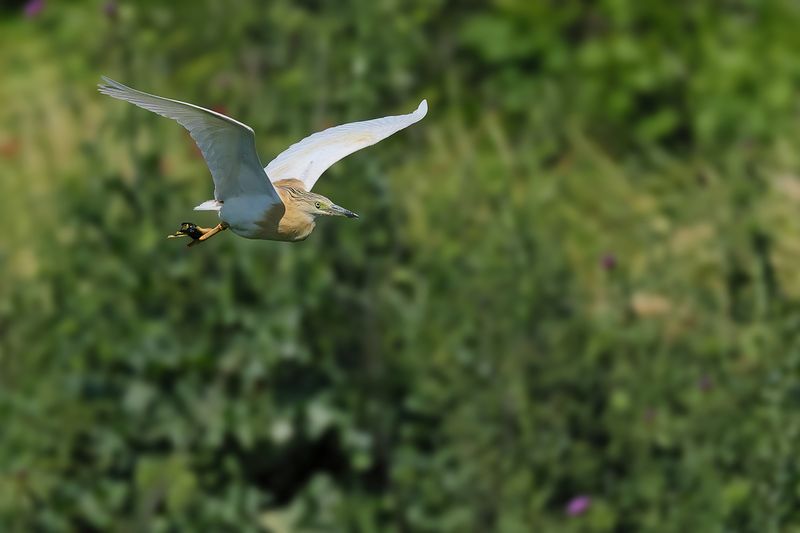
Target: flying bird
x=274 y=202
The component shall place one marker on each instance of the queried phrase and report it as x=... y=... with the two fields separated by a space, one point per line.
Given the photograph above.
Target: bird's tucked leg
x=222 y=226
x=197 y=233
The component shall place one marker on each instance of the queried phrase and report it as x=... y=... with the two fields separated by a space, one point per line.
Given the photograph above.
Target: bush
x=573 y=281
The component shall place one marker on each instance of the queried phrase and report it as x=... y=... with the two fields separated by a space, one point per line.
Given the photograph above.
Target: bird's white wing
x=308 y=159
x=228 y=146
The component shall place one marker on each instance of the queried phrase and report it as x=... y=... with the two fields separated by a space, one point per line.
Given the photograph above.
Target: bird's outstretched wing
x=228 y=146
x=308 y=159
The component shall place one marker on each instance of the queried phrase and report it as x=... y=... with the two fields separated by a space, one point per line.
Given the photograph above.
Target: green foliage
x=577 y=276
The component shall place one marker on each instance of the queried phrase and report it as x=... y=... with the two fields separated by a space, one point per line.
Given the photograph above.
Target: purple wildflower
x=705 y=383
x=609 y=262
x=578 y=505
x=33 y=8
x=111 y=9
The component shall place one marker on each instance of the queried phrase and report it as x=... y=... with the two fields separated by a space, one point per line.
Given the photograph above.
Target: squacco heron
x=276 y=202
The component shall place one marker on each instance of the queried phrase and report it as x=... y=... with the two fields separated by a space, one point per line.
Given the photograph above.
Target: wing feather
x=308 y=159
x=228 y=146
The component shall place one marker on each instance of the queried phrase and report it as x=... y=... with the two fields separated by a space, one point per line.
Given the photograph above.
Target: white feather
x=228 y=146
x=209 y=205
x=244 y=213
x=308 y=159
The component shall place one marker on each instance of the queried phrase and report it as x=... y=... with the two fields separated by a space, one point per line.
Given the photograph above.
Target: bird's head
x=317 y=205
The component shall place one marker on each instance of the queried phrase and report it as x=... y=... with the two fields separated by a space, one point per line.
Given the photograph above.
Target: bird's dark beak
x=342 y=212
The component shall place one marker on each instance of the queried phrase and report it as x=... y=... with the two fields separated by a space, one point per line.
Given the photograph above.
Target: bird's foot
x=197 y=233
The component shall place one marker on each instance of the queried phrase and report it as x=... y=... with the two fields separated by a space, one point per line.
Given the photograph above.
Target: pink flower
x=33 y=8
x=609 y=261
x=578 y=505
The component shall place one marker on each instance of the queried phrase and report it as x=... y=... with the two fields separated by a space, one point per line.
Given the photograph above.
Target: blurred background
x=571 y=303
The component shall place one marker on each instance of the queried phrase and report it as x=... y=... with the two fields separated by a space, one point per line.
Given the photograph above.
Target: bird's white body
x=273 y=202
x=243 y=214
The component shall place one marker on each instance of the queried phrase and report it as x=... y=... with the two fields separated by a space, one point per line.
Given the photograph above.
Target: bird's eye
x=317 y=205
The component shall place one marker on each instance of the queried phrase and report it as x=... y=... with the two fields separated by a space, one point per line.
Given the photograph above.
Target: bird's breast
x=293 y=225
x=260 y=218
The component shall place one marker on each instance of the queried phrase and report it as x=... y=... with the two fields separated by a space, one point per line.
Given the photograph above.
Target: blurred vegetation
x=576 y=278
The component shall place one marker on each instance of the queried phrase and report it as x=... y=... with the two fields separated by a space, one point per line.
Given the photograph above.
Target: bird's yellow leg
x=197 y=233
x=207 y=233
x=222 y=226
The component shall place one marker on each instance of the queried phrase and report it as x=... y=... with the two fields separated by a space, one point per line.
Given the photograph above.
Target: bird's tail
x=209 y=205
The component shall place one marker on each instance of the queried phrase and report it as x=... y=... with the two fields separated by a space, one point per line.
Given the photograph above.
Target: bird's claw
x=188 y=229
